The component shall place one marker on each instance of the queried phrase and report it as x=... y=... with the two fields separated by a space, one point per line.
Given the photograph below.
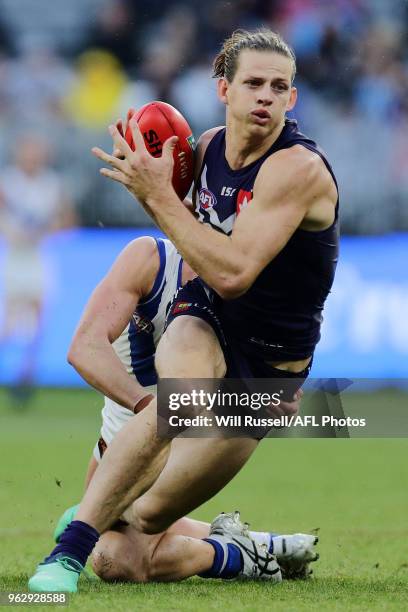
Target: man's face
x=260 y=93
x=31 y=154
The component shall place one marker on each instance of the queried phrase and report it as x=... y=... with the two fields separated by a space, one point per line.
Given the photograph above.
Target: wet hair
x=226 y=62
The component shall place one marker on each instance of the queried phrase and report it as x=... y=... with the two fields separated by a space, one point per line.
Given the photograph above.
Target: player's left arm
x=293 y=189
x=289 y=185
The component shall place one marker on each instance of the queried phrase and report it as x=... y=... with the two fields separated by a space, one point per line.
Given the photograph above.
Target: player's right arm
x=106 y=315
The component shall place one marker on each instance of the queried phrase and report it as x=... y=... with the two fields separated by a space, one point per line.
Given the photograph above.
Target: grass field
x=354 y=492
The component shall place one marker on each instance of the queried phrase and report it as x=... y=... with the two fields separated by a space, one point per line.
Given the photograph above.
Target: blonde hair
x=226 y=62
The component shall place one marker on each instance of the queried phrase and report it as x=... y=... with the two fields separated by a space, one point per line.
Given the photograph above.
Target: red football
x=157 y=122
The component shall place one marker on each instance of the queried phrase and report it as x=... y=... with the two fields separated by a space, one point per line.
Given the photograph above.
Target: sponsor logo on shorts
x=207 y=199
x=181 y=307
x=243 y=199
x=142 y=324
x=262 y=342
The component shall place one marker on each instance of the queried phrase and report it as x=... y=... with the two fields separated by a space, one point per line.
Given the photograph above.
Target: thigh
x=195 y=471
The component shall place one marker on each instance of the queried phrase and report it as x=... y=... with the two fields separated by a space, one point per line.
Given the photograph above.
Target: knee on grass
x=111 y=560
x=116 y=559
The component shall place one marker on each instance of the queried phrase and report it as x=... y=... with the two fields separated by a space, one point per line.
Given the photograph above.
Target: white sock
x=261 y=537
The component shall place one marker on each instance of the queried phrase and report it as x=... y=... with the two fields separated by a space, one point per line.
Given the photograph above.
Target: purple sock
x=227 y=563
x=77 y=541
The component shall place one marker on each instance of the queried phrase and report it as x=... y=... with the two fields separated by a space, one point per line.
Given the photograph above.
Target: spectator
x=93 y=101
x=32 y=204
x=352 y=65
x=117 y=31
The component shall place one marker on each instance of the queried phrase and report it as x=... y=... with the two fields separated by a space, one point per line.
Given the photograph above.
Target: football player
x=113 y=349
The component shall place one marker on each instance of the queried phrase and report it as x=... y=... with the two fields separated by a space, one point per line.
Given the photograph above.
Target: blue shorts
x=196 y=300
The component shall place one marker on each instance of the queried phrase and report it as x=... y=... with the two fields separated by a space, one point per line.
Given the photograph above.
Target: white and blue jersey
x=136 y=346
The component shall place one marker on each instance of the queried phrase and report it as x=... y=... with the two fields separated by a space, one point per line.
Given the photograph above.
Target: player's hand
x=143 y=175
x=287 y=408
x=122 y=129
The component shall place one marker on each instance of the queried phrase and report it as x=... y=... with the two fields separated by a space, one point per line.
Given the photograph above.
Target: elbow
x=72 y=356
x=75 y=353
x=231 y=288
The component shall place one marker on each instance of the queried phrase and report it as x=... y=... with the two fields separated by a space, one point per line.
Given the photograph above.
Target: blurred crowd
x=69 y=69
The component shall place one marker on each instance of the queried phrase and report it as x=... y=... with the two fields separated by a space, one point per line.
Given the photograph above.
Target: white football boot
x=258 y=563
x=294 y=552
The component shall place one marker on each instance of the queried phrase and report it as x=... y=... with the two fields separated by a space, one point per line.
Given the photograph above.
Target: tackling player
x=270 y=260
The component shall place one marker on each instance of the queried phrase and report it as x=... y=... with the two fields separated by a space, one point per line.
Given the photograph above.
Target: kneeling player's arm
x=106 y=315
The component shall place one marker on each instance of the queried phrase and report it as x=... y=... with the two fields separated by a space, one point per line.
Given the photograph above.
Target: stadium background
x=67 y=69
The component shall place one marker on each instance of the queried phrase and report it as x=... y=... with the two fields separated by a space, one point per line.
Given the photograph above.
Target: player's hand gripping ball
x=157 y=122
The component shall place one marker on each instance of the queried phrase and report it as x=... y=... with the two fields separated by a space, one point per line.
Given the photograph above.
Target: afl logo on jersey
x=206 y=198
x=243 y=199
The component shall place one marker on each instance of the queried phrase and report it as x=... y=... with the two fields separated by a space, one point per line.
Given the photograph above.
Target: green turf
x=353 y=491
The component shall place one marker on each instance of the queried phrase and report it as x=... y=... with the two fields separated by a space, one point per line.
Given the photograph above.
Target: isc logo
x=228 y=191
x=153 y=143
x=207 y=199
